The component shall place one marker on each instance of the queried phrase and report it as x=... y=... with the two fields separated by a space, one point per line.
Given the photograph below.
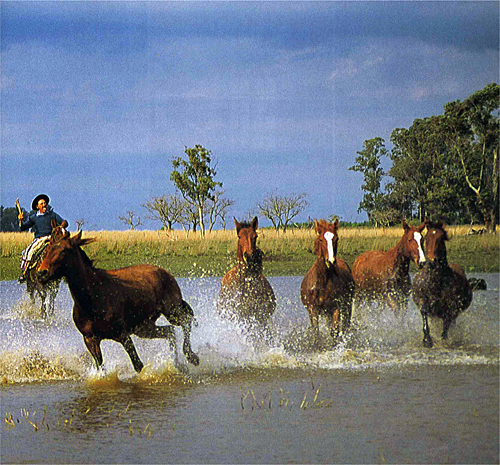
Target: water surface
x=378 y=397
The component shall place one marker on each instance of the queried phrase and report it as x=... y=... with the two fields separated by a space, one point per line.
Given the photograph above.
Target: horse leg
x=129 y=346
x=427 y=334
x=30 y=289
x=52 y=291
x=186 y=329
x=447 y=322
x=182 y=315
x=334 y=323
x=43 y=297
x=149 y=330
x=93 y=346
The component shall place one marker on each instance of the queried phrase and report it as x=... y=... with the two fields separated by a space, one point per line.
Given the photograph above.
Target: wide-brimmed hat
x=37 y=199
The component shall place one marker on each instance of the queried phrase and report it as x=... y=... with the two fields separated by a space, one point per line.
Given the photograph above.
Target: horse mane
x=86 y=258
x=245 y=224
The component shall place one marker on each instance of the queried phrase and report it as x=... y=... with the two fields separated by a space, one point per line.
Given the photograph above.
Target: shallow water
x=377 y=397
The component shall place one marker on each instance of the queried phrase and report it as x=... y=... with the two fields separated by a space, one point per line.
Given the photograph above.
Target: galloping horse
x=50 y=289
x=117 y=303
x=246 y=294
x=327 y=288
x=385 y=275
x=439 y=289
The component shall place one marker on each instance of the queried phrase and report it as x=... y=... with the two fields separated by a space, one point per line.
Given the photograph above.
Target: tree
x=473 y=127
x=280 y=210
x=194 y=178
x=131 y=220
x=217 y=209
x=8 y=219
x=169 y=209
x=79 y=223
x=368 y=163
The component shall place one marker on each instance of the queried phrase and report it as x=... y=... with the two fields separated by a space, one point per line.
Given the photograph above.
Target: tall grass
x=290 y=252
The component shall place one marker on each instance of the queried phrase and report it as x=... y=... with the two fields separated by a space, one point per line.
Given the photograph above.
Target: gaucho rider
x=39 y=220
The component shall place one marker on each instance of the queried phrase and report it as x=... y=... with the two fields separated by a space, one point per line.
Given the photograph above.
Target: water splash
x=32 y=350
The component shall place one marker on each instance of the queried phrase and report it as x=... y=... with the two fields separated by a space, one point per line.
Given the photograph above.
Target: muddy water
x=378 y=397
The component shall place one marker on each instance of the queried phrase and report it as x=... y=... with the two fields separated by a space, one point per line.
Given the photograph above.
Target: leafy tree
x=368 y=163
x=474 y=140
x=8 y=219
x=194 y=178
x=281 y=210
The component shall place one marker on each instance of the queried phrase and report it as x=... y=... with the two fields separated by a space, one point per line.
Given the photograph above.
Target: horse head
x=327 y=241
x=248 y=252
x=435 y=242
x=58 y=231
x=58 y=254
x=412 y=242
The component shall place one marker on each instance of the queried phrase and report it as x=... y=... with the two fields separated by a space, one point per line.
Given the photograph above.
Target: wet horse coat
x=440 y=289
x=384 y=275
x=118 y=303
x=327 y=288
x=246 y=295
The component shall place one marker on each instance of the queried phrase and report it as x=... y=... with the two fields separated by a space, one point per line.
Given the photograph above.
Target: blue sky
x=98 y=97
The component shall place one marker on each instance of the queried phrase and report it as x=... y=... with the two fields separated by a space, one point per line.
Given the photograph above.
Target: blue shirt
x=40 y=224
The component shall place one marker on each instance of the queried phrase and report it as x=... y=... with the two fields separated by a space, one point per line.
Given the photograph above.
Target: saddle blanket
x=33 y=252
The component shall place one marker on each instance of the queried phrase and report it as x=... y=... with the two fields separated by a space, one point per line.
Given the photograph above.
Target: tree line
x=443 y=166
x=199 y=202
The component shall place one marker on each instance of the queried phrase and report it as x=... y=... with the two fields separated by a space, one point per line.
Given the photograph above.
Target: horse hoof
x=193 y=359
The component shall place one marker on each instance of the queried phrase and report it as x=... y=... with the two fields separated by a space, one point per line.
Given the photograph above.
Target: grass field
x=285 y=254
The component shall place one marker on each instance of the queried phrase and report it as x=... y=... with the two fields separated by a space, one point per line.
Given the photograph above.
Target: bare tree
x=280 y=210
x=131 y=220
x=217 y=209
x=169 y=209
x=79 y=223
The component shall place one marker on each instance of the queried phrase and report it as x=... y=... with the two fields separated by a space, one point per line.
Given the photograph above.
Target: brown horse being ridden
x=246 y=294
x=384 y=275
x=118 y=303
x=439 y=289
x=327 y=288
x=46 y=291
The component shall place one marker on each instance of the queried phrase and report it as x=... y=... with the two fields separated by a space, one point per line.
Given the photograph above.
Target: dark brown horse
x=118 y=303
x=246 y=294
x=439 y=289
x=384 y=275
x=47 y=292
x=327 y=288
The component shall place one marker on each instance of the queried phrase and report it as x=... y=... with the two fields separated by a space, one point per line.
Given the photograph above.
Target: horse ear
x=405 y=226
x=64 y=224
x=53 y=223
x=421 y=227
x=255 y=223
x=336 y=223
x=237 y=225
x=317 y=227
x=77 y=238
x=441 y=224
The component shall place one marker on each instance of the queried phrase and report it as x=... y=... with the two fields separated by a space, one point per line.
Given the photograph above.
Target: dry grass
x=164 y=243
x=290 y=253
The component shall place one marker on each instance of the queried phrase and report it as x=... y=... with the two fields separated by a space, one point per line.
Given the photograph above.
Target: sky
x=97 y=98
